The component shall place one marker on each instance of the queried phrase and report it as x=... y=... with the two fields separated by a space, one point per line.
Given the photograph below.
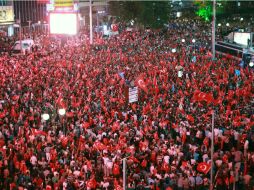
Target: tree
x=147 y=13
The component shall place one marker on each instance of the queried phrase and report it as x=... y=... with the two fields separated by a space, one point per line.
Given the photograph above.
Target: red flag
x=91 y=183
x=206 y=141
x=15 y=97
x=118 y=187
x=38 y=132
x=99 y=146
x=2 y=114
x=203 y=167
x=114 y=27
x=140 y=82
x=69 y=114
x=85 y=125
x=64 y=141
x=116 y=169
x=190 y=118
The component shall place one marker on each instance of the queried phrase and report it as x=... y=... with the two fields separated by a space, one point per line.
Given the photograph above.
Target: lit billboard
x=63 y=23
x=63 y=3
x=242 y=38
x=6 y=14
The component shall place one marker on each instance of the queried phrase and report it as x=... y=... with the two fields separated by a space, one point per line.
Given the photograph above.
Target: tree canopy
x=148 y=13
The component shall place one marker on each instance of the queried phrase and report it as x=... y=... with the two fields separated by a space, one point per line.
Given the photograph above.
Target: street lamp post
x=29 y=22
x=213 y=28
x=20 y=35
x=91 y=22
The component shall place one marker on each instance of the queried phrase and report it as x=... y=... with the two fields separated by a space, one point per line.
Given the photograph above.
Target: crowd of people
x=165 y=137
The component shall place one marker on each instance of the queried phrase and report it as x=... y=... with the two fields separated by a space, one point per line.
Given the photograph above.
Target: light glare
x=61 y=111
x=45 y=116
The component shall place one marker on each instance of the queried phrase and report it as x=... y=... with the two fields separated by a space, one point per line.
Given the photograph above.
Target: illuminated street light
x=219 y=24
x=183 y=40
x=61 y=111
x=241 y=19
x=193 y=40
x=227 y=24
x=251 y=64
x=173 y=50
x=45 y=116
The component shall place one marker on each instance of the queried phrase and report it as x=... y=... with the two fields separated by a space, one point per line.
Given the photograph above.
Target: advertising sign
x=63 y=3
x=6 y=14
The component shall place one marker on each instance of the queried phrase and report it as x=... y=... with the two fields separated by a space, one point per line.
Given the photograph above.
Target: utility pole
x=213 y=28
x=91 y=22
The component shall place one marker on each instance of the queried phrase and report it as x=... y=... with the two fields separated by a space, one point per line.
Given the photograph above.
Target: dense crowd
x=165 y=136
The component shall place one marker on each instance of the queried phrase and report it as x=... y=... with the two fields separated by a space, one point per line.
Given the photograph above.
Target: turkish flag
x=69 y=114
x=114 y=27
x=206 y=141
x=116 y=169
x=99 y=146
x=2 y=114
x=15 y=97
x=91 y=183
x=190 y=118
x=140 y=82
x=118 y=187
x=203 y=167
x=85 y=125
x=38 y=132
x=64 y=141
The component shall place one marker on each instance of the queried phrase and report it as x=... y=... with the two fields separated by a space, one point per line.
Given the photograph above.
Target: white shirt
x=166 y=159
x=33 y=160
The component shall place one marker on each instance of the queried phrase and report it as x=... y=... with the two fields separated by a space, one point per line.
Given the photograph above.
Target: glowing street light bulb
x=183 y=40
x=45 y=116
x=61 y=111
x=251 y=64
x=241 y=19
x=193 y=40
x=219 y=24
x=173 y=50
x=227 y=24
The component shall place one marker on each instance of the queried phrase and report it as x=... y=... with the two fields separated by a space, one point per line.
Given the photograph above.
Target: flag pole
x=124 y=174
x=212 y=150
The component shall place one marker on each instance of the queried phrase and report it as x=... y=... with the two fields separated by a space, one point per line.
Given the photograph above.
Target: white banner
x=133 y=94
